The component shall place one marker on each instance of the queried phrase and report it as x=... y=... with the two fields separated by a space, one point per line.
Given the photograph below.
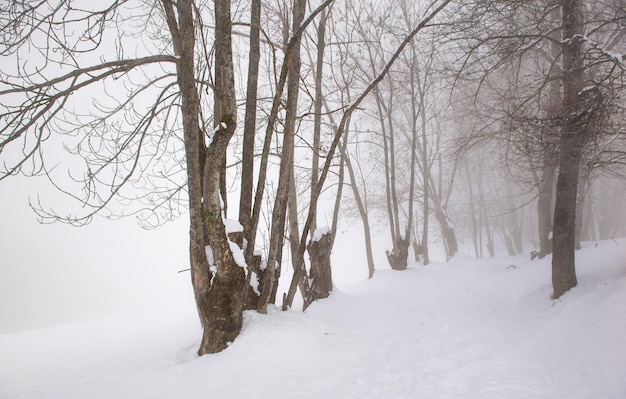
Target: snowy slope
x=466 y=329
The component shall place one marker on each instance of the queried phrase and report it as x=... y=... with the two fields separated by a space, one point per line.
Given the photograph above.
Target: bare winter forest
x=488 y=127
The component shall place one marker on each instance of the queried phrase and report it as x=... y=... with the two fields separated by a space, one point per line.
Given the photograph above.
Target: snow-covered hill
x=465 y=329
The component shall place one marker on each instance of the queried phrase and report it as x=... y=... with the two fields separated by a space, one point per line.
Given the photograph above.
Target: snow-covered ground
x=465 y=329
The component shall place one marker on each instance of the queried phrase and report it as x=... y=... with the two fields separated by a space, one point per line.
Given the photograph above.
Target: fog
x=52 y=274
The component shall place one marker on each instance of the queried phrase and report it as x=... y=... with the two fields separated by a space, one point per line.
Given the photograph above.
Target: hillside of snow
x=465 y=329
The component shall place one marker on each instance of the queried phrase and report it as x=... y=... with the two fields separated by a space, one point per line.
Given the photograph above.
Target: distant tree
x=566 y=77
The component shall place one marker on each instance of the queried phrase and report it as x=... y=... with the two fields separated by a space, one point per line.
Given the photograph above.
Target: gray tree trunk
x=571 y=144
x=286 y=165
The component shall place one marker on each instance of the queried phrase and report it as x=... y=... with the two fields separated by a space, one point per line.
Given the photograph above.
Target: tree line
x=405 y=110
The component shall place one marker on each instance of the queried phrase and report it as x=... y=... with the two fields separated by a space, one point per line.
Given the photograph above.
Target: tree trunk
x=317 y=108
x=544 y=208
x=286 y=165
x=226 y=296
x=399 y=255
x=472 y=209
x=320 y=248
x=184 y=42
x=299 y=279
x=249 y=129
x=361 y=205
x=571 y=143
x=583 y=187
x=447 y=231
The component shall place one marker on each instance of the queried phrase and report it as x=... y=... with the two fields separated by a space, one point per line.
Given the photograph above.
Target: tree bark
x=571 y=144
x=226 y=296
x=321 y=277
x=184 y=42
x=247 y=157
x=286 y=163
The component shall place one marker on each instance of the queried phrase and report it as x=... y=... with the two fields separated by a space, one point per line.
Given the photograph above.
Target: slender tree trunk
x=425 y=174
x=382 y=114
x=513 y=221
x=247 y=159
x=447 y=231
x=249 y=129
x=392 y=169
x=361 y=205
x=549 y=162
x=472 y=210
x=286 y=164
x=484 y=216
x=361 y=201
x=571 y=143
x=317 y=108
x=544 y=208
x=583 y=186
x=299 y=279
x=319 y=248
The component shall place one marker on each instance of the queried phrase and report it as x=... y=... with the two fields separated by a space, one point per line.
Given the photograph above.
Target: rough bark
x=320 y=249
x=226 y=296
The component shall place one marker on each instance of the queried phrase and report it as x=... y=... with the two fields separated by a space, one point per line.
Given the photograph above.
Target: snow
x=318 y=233
x=254 y=283
x=209 y=255
x=464 y=329
x=238 y=255
x=232 y=226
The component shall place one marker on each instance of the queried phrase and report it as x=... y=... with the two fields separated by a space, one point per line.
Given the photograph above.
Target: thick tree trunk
x=226 y=296
x=571 y=144
x=218 y=293
x=320 y=248
x=398 y=257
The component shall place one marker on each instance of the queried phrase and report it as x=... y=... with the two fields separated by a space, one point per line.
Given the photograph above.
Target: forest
x=477 y=126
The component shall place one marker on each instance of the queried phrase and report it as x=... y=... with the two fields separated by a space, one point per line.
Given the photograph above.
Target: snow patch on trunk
x=319 y=233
